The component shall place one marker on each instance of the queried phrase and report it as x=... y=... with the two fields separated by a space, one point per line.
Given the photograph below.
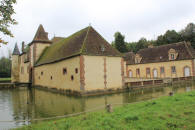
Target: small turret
x=41 y=36
x=15 y=64
x=38 y=44
x=16 y=50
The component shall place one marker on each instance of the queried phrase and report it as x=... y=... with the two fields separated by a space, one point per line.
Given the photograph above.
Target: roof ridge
x=85 y=40
x=188 y=50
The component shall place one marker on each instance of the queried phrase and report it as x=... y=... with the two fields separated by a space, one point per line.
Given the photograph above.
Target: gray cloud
x=134 y=19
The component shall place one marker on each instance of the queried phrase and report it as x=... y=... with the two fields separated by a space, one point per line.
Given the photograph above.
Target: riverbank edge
x=168 y=112
x=99 y=92
x=5 y=80
x=93 y=92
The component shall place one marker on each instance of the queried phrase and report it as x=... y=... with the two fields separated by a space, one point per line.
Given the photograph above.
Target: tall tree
x=171 y=36
x=188 y=34
x=131 y=46
x=6 y=12
x=142 y=43
x=5 y=67
x=119 y=42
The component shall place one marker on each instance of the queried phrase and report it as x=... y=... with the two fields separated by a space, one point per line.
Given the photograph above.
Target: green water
x=25 y=104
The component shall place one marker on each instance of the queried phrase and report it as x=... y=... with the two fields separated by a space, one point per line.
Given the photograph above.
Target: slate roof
x=84 y=42
x=16 y=50
x=129 y=57
x=41 y=35
x=160 y=53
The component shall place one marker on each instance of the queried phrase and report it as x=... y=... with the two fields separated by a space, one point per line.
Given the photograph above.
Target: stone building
x=83 y=62
x=165 y=61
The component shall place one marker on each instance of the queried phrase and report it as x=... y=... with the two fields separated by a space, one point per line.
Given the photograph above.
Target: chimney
x=23 y=46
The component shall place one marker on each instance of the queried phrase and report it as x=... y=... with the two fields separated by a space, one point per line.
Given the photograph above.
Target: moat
x=26 y=104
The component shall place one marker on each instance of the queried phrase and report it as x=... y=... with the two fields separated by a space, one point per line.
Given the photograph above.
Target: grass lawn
x=175 y=112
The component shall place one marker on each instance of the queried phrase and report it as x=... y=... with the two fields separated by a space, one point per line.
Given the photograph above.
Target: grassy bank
x=176 y=112
x=5 y=80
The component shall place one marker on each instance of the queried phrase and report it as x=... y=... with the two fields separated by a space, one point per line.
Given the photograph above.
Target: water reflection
x=26 y=104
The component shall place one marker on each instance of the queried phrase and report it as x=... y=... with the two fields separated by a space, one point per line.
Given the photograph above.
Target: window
x=172 y=54
x=147 y=70
x=39 y=77
x=172 y=57
x=72 y=77
x=138 y=58
x=130 y=73
x=64 y=71
x=173 y=69
x=76 y=70
x=51 y=77
x=155 y=73
x=102 y=48
x=137 y=72
x=162 y=70
x=42 y=73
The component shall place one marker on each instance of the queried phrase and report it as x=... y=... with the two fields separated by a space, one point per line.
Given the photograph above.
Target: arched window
x=130 y=73
x=155 y=73
x=137 y=72
x=187 y=71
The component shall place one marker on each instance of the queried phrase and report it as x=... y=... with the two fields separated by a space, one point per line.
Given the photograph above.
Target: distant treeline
x=5 y=67
x=170 y=36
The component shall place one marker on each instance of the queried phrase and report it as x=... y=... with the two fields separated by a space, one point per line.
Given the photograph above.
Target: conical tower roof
x=16 y=50
x=41 y=35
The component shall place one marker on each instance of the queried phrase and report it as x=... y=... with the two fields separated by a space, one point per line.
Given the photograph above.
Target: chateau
x=86 y=64
x=83 y=63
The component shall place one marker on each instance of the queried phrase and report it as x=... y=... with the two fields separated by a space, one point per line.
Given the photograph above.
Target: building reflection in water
x=35 y=103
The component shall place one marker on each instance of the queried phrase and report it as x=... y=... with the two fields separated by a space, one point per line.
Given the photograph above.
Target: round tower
x=15 y=64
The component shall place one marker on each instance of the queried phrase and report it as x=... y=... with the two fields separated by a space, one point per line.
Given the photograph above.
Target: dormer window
x=102 y=48
x=138 y=58
x=172 y=54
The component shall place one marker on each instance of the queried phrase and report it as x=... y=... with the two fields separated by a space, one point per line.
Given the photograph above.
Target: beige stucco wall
x=167 y=68
x=36 y=50
x=24 y=76
x=39 y=49
x=59 y=80
x=113 y=67
x=95 y=72
x=15 y=69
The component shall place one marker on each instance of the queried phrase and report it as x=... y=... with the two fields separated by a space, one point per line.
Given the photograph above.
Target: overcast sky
x=133 y=18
